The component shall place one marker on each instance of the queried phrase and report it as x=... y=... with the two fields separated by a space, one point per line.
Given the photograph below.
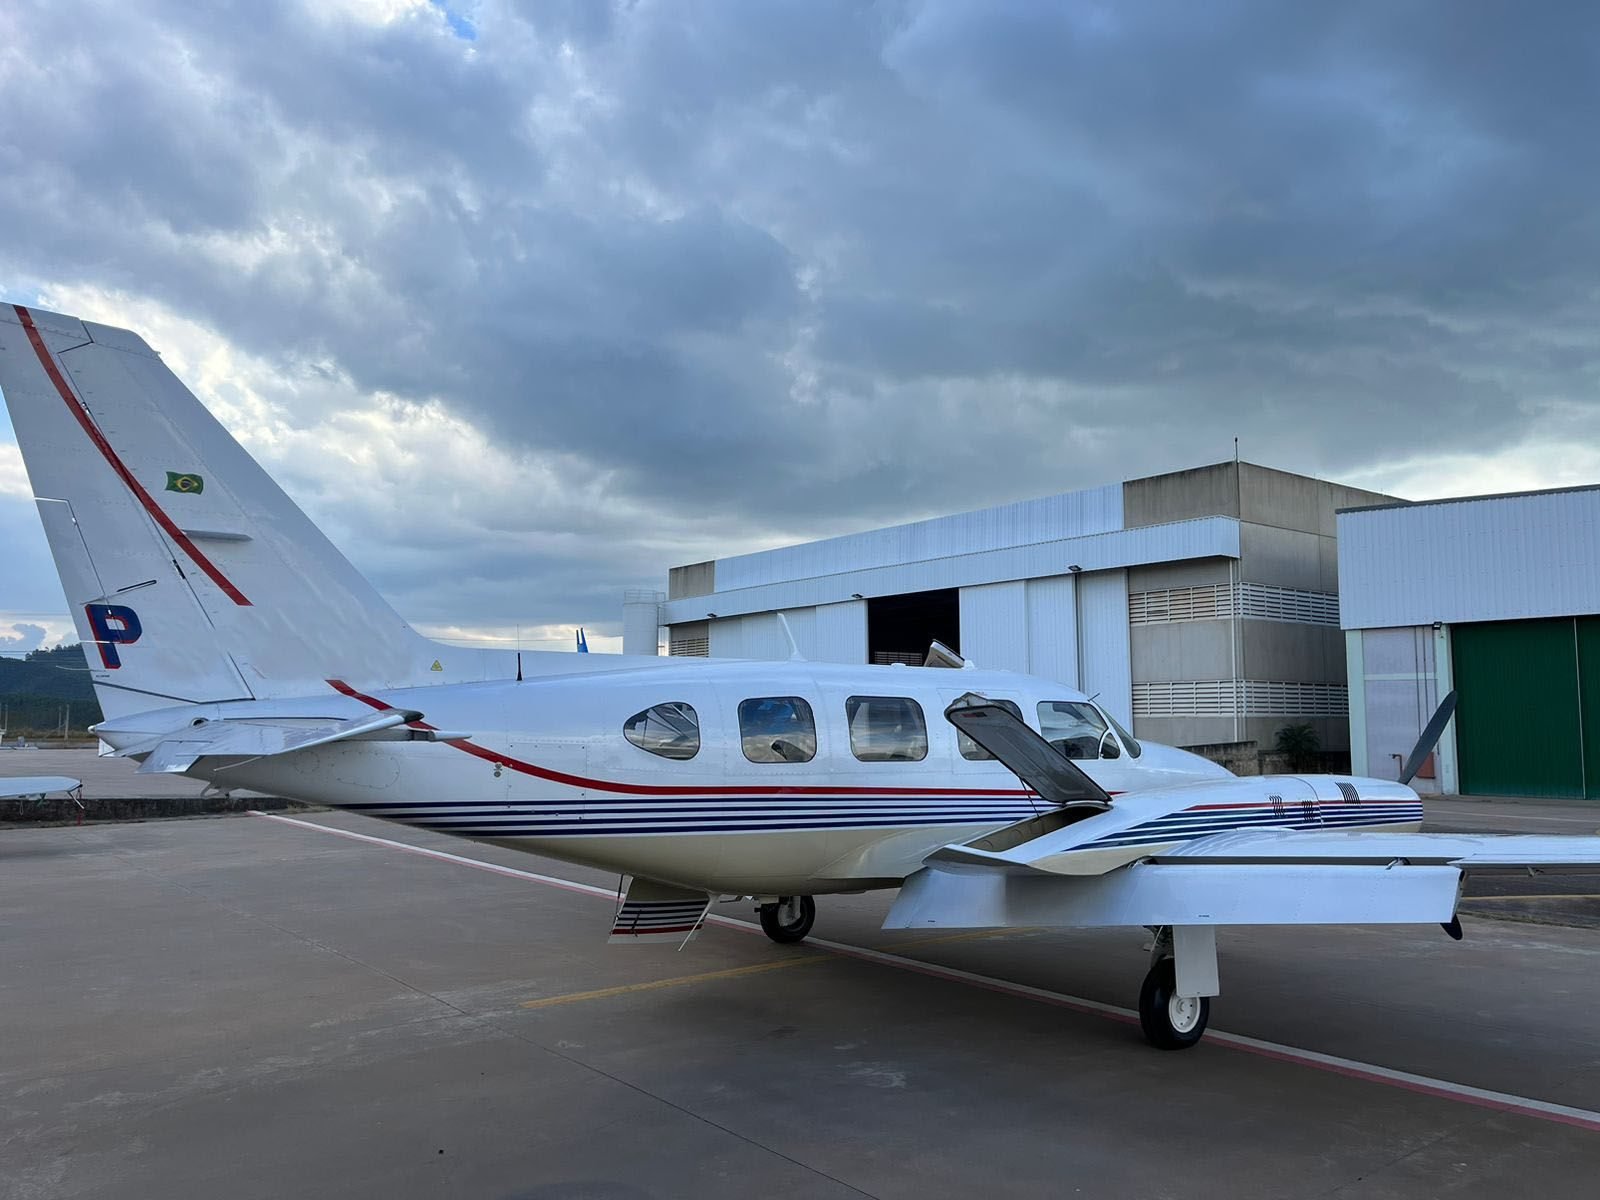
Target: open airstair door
x=1027 y=755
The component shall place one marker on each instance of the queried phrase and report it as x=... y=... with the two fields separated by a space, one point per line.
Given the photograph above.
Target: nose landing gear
x=789 y=920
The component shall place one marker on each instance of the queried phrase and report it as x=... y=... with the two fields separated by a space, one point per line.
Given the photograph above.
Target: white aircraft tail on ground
x=229 y=641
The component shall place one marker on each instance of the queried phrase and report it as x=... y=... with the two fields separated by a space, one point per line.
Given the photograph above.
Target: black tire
x=795 y=931
x=1170 y=1023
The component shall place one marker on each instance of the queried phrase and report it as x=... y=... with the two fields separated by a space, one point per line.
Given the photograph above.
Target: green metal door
x=1518 y=728
x=1589 y=689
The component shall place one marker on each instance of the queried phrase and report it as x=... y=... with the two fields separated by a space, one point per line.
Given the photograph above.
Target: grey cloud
x=802 y=265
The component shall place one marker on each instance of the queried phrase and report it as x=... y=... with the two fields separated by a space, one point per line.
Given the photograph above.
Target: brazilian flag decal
x=181 y=482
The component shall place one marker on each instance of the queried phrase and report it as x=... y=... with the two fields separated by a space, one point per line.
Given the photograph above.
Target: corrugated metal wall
x=1212 y=537
x=1093 y=510
x=759 y=635
x=1103 y=641
x=1489 y=559
x=841 y=632
x=994 y=626
x=1053 y=628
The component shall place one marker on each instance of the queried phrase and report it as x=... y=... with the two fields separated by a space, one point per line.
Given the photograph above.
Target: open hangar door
x=1528 y=717
x=900 y=628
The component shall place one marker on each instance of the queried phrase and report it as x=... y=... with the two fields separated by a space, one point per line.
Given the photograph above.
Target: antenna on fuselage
x=794 y=646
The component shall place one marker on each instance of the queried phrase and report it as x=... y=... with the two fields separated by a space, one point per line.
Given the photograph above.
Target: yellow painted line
x=651 y=985
x=961 y=937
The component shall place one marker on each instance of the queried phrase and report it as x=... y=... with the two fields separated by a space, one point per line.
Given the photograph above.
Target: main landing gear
x=1170 y=1020
x=789 y=920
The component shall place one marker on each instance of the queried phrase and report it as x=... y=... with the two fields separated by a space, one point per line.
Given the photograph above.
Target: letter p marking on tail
x=114 y=625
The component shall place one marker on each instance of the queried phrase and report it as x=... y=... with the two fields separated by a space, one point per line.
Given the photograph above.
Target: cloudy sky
x=526 y=302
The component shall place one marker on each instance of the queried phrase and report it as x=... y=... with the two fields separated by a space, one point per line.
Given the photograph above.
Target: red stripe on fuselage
x=117 y=465
x=646 y=789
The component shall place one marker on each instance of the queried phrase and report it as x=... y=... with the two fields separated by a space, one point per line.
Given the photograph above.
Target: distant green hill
x=36 y=690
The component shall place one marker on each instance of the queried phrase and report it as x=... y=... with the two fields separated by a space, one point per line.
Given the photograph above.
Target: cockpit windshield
x=1130 y=742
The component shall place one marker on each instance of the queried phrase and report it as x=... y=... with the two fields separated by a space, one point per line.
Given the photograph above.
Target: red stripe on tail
x=145 y=498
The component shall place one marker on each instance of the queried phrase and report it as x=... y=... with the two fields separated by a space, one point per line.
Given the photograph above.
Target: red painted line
x=1410 y=1083
x=649 y=789
x=145 y=498
x=1439 y=1089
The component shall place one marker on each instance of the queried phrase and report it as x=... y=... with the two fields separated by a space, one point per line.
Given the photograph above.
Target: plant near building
x=1299 y=744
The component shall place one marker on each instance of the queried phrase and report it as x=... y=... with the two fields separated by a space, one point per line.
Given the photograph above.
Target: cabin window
x=1077 y=729
x=671 y=730
x=969 y=748
x=886 y=729
x=776 y=729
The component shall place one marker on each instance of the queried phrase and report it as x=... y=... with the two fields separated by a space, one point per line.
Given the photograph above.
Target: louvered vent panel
x=1216 y=601
x=1247 y=698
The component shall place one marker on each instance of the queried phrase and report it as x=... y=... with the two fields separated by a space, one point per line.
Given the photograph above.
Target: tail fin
x=192 y=577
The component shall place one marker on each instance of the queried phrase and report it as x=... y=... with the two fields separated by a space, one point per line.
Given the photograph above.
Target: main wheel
x=1170 y=1021
x=789 y=920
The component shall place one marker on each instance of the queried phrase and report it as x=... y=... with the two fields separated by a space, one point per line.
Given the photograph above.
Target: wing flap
x=1468 y=852
x=174 y=753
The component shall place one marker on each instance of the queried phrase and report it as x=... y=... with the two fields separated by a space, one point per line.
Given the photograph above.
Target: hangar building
x=1200 y=605
x=1499 y=598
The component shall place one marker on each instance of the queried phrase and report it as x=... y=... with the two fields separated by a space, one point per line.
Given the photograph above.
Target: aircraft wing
x=174 y=753
x=36 y=785
x=1270 y=877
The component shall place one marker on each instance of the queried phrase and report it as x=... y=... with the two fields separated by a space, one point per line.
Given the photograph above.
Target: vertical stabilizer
x=190 y=574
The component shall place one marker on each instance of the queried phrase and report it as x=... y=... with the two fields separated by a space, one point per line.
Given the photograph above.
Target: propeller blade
x=1430 y=738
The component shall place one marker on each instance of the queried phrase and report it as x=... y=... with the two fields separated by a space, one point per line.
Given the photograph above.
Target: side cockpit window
x=775 y=729
x=1077 y=729
x=886 y=729
x=671 y=730
x=969 y=748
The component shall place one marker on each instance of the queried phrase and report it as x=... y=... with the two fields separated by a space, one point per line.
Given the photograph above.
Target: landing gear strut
x=1171 y=1021
x=789 y=920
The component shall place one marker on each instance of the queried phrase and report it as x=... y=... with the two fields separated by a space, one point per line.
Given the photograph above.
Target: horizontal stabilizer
x=659 y=912
x=174 y=753
x=36 y=786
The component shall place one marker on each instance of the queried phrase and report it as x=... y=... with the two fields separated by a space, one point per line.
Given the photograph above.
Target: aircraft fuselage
x=546 y=766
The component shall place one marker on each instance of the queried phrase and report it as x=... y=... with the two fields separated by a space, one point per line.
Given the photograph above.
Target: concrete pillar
x=1444 y=676
x=1356 y=675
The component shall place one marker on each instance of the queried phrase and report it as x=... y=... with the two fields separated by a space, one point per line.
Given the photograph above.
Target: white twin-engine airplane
x=228 y=640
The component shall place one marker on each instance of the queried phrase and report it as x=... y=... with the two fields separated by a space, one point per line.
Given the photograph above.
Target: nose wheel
x=1170 y=1021
x=789 y=920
